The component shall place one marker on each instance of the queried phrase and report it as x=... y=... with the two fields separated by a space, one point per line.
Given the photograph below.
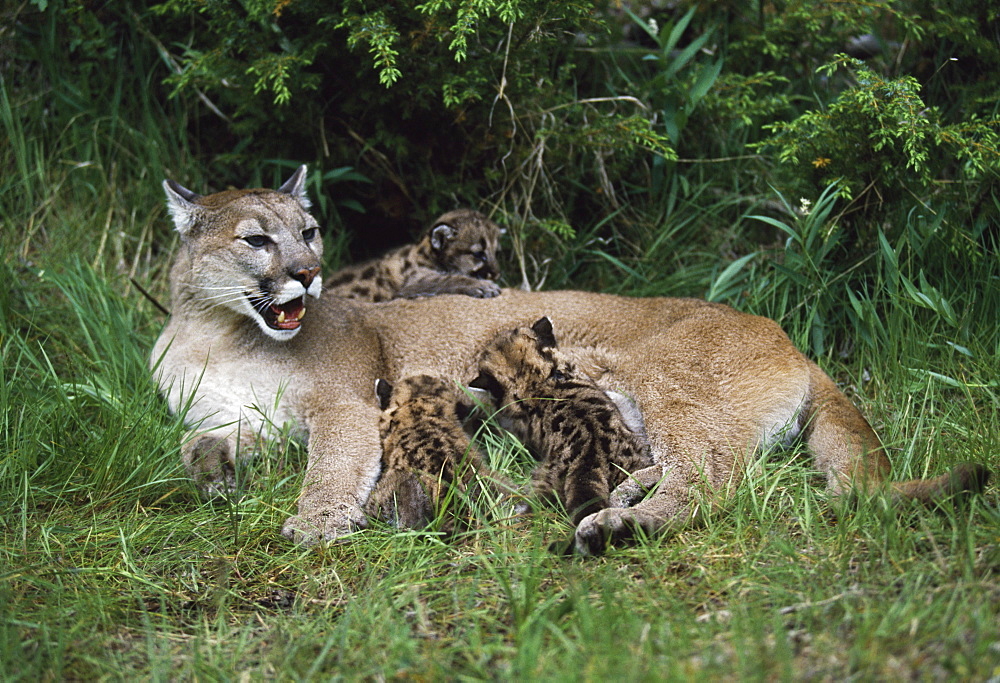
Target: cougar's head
x=252 y=252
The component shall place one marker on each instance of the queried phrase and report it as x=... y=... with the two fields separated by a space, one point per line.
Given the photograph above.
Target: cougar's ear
x=181 y=206
x=296 y=187
x=543 y=329
x=383 y=390
x=441 y=234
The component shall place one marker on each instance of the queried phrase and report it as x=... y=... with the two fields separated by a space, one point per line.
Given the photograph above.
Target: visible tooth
x=281 y=317
x=302 y=313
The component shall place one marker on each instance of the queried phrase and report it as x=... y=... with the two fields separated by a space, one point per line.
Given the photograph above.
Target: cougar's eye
x=257 y=241
x=309 y=234
x=479 y=256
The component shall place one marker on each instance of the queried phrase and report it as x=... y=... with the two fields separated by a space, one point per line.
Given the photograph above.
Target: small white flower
x=654 y=27
x=804 y=206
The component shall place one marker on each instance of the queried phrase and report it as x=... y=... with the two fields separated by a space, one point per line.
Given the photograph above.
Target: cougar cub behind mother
x=241 y=356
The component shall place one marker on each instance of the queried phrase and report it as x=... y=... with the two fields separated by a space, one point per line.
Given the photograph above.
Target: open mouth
x=286 y=316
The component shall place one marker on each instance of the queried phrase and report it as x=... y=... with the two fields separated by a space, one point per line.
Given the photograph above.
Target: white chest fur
x=218 y=389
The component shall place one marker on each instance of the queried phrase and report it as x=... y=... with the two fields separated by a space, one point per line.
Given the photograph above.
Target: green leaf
x=721 y=285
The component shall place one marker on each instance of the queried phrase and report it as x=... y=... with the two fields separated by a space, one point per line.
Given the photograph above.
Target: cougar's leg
x=844 y=446
x=847 y=450
x=344 y=463
x=695 y=467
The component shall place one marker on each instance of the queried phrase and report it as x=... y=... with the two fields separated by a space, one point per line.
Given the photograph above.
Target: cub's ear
x=488 y=383
x=441 y=234
x=383 y=390
x=476 y=395
x=181 y=206
x=296 y=187
x=543 y=329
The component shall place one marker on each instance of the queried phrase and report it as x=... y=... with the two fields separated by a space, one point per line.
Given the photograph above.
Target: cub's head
x=465 y=241
x=255 y=253
x=514 y=366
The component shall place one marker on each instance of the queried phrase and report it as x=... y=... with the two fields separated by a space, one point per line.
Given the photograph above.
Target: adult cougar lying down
x=714 y=385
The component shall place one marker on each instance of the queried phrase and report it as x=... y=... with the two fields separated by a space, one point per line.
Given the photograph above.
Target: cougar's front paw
x=328 y=524
x=610 y=526
x=211 y=462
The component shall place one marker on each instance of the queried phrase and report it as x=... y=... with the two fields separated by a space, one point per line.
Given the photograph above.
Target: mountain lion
x=239 y=355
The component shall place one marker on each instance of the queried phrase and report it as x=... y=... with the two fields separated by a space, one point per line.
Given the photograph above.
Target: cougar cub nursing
x=425 y=451
x=583 y=444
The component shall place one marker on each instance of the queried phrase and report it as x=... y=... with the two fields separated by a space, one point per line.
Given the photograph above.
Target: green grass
x=112 y=568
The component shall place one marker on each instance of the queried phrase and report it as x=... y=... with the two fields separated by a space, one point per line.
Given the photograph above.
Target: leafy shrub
x=440 y=103
x=882 y=143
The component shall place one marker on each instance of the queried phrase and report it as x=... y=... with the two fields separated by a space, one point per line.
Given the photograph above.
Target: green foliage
x=880 y=137
x=375 y=29
x=804 y=31
x=508 y=88
x=675 y=96
x=830 y=303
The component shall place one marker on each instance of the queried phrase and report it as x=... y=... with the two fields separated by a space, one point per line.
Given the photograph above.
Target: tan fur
x=580 y=438
x=456 y=255
x=713 y=385
x=425 y=450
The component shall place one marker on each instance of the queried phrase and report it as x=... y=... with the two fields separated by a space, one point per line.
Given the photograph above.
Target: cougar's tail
x=963 y=479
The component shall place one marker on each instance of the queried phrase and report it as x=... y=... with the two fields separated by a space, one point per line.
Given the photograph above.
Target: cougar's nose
x=305 y=275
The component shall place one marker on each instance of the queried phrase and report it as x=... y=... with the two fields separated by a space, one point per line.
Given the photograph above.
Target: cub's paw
x=485 y=290
x=211 y=462
x=329 y=524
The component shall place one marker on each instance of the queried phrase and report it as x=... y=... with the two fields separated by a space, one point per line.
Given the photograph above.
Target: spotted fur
x=583 y=444
x=458 y=255
x=424 y=451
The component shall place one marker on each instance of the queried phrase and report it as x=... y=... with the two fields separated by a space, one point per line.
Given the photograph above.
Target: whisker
x=262 y=304
x=217 y=301
x=226 y=296
x=223 y=295
x=231 y=288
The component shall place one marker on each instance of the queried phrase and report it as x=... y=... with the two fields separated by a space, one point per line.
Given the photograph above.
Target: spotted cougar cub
x=424 y=450
x=584 y=446
x=458 y=255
